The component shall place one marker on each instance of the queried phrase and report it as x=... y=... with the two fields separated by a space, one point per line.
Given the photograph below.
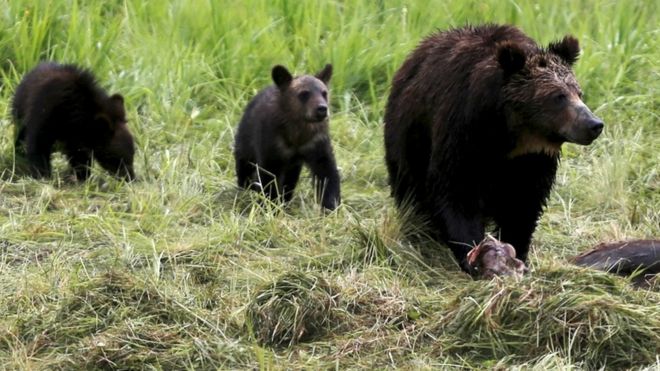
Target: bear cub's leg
x=244 y=173
x=322 y=164
x=80 y=161
x=38 y=150
x=289 y=180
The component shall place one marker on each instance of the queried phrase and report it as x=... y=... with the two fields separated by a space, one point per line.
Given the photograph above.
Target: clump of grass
x=136 y=343
x=95 y=305
x=295 y=307
x=593 y=318
x=378 y=309
x=373 y=249
x=399 y=241
x=115 y=320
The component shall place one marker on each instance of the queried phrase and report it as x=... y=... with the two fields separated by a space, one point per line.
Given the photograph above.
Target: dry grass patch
x=587 y=316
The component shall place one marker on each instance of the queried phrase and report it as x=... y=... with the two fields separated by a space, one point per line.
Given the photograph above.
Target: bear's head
x=116 y=152
x=304 y=98
x=542 y=99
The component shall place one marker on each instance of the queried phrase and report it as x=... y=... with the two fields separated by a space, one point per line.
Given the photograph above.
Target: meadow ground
x=182 y=270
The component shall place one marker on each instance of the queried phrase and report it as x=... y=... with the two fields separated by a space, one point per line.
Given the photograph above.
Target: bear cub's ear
x=117 y=99
x=325 y=74
x=117 y=103
x=567 y=49
x=511 y=57
x=104 y=123
x=281 y=76
x=112 y=115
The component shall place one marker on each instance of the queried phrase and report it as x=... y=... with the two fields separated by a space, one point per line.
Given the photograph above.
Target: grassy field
x=178 y=269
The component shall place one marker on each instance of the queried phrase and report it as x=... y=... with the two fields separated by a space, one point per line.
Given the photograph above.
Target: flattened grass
x=589 y=317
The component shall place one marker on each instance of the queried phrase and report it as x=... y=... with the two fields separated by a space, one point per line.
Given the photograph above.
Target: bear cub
x=285 y=126
x=60 y=107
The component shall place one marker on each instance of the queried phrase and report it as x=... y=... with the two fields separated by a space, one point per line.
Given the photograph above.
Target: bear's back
x=50 y=86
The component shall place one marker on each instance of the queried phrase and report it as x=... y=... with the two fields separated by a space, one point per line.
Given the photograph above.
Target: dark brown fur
x=284 y=127
x=624 y=257
x=473 y=130
x=61 y=107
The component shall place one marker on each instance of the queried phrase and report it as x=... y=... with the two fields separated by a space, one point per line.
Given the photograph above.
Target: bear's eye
x=303 y=95
x=560 y=98
x=580 y=94
x=324 y=94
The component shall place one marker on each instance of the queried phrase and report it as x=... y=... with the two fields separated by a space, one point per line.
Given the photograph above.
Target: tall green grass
x=160 y=273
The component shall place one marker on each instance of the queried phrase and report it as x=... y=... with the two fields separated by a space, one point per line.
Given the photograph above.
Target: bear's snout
x=585 y=126
x=589 y=126
x=595 y=125
x=321 y=112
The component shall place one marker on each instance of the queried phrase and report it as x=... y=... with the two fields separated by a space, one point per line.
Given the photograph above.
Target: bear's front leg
x=321 y=162
x=38 y=152
x=517 y=201
x=290 y=180
x=516 y=227
x=81 y=163
x=244 y=172
x=460 y=231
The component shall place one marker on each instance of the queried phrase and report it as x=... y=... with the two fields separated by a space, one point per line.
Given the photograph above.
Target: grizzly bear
x=285 y=126
x=61 y=107
x=473 y=131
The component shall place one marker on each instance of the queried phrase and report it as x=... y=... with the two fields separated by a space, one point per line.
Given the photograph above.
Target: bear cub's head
x=541 y=96
x=304 y=98
x=116 y=152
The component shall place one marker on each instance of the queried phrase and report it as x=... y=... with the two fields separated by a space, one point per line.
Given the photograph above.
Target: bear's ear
x=105 y=124
x=114 y=112
x=325 y=74
x=117 y=103
x=567 y=49
x=117 y=99
x=511 y=57
x=281 y=76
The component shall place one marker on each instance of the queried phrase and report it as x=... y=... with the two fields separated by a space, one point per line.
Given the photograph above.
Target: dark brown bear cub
x=285 y=126
x=61 y=107
x=473 y=131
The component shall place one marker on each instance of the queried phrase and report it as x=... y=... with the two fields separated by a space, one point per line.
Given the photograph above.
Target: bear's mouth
x=582 y=134
x=582 y=141
x=317 y=119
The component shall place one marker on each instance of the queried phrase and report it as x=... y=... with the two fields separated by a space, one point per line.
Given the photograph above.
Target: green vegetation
x=162 y=273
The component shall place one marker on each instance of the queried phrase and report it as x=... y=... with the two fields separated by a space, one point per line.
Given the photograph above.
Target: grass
x=163 y=273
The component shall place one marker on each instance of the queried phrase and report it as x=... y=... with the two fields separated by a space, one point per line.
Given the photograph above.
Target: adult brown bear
x=473 y=131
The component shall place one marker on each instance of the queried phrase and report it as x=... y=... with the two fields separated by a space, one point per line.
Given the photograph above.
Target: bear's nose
x=322 y=110
x=596 y=126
